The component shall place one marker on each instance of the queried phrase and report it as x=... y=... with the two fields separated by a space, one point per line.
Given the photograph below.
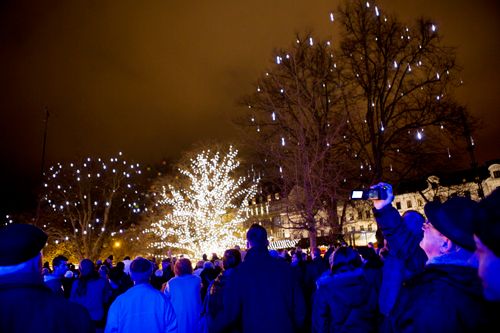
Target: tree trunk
x=312 y=239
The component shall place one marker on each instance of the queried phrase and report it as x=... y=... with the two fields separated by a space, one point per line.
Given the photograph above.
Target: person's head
x=257 y=237
x=316 y=253
x=345 y=259
x=126 y=258
x=20 y=249
x=414 y=222
x=199 y=264
x=60 y=265
x=231 y=259
x=183 y=267
x=296 y=258
x=141 y=270
x=208 y=265
x=121 y=265
x=103 y=271
x=87 y=268
x=449 y=226
x=487 y=238
x=165 y=264
x=204 y=257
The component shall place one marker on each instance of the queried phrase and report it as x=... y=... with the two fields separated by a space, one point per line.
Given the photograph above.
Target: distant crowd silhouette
x=438 y=273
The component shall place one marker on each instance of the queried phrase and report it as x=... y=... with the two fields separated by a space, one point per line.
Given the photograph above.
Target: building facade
x=359 y=228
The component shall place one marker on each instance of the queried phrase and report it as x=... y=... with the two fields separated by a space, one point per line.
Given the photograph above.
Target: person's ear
x=445 y=245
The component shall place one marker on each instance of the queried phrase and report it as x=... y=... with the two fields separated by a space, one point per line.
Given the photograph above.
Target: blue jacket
x=405 y=258
x=345 y=302
x=27 y=305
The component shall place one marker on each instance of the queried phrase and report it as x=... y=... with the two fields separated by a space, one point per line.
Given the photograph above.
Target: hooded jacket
x=345 y=302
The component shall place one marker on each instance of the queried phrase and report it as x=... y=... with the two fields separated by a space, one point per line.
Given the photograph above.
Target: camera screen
x=357 y=194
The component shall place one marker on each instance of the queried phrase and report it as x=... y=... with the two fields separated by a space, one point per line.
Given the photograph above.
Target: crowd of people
x=438 y=273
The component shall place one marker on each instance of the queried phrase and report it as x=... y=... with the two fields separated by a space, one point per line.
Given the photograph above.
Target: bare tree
x=88 y=202
x=403 y=116
x=295 y=123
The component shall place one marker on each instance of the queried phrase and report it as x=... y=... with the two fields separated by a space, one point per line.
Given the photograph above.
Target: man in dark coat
x=26 y=304
x=262 y=294
x=446 y=296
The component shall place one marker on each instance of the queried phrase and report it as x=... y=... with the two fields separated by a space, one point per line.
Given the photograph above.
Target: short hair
x=120 y=265
x=316 y=252
x=345 y=259
x=414 y=222
x=231 y=258
x=183 y=267
x=257 y=236
x=141 y=269
x=86 y=267
x=58 y=260
x=208 y=264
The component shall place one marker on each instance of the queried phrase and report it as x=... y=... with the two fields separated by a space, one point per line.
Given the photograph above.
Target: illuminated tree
x=402 y=117
x=86 y=203
x=205 y=215
x=295 y=123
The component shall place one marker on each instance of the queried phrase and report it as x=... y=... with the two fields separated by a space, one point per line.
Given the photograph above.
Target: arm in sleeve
x=402 y=242
x=112 y=322
x=320 y=312
x=170 y=317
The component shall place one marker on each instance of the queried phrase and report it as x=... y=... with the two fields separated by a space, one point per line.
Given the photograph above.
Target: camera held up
x=376 y=193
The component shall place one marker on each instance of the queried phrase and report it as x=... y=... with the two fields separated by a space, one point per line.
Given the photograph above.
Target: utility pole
x=46 y=121
x=471 y=149
x=42 y=164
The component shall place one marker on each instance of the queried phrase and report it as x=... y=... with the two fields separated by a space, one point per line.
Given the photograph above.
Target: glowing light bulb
x=376 y=11
x=332 y=18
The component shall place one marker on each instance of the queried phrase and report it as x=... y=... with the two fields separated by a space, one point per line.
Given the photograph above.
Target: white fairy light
x=332 y=18
x=199 y=223
x=376 y=11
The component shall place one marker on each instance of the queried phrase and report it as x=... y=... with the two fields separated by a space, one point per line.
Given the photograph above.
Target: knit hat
x=19 y=243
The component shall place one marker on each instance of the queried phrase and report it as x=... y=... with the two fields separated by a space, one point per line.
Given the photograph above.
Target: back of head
x=120 y=265
x=414 y=221
x=231 y=259
x=141 y=270
x=86 y=268
x=183 y=267
x=345 y=259
x=316 y=252
x=257 y=236
x=208 y=265
x=19 y=243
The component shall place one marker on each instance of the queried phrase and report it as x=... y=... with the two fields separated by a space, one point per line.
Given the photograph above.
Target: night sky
x=150 y=78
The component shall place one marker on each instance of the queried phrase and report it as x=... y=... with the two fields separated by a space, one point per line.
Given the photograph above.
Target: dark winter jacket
x=445 y=297
x=27 y=305
x=404 y=260
x=263 y=296
x=345 y=302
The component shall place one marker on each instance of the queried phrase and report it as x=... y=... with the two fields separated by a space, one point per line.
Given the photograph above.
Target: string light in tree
x=86 y=194
x=206 y=216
